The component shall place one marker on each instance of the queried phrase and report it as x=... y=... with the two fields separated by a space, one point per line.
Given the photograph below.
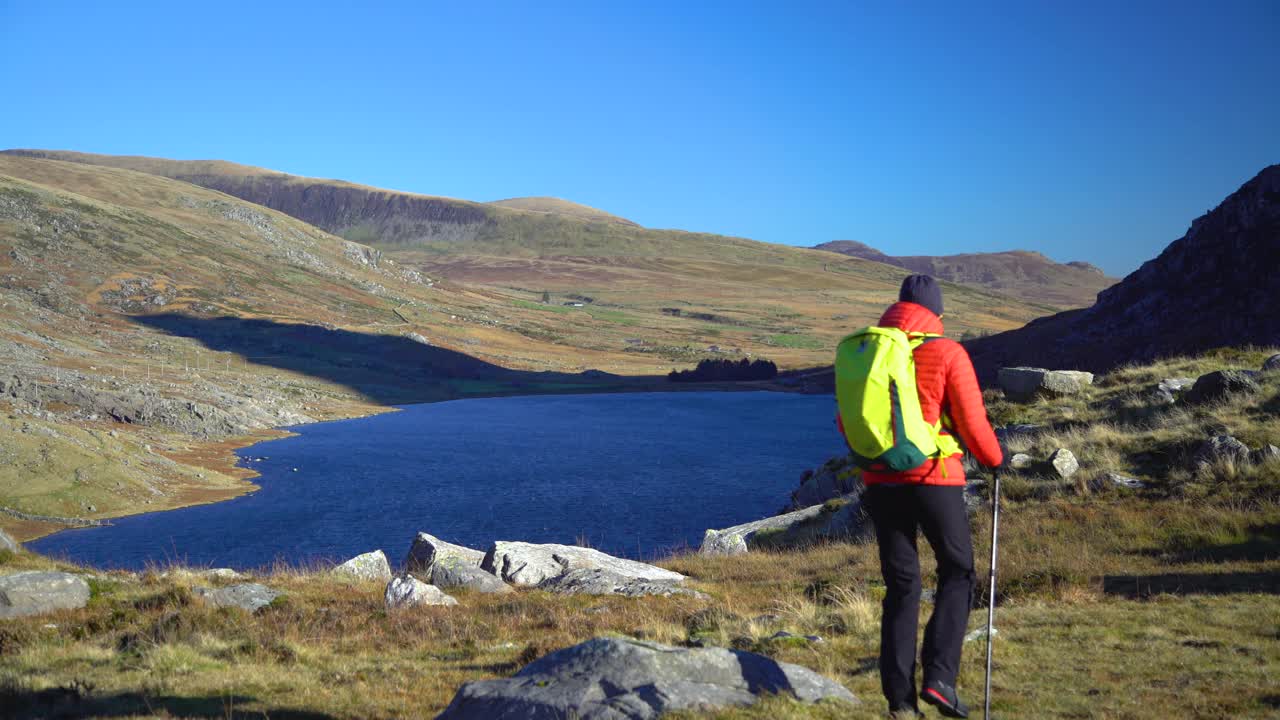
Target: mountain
x=1214 y=287
x=1018 y=273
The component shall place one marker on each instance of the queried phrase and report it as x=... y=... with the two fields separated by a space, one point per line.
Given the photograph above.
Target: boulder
x=621 y=679
x=448 y=566
x=837 y=477
x=428 y=549
x=839 y=518
x=408 y=591
x=452 y=573
x=1064 y=463
x=1021 y=461
x=369 y=566
x=1272 y=364
x=35 y=593
x=598 y=581
x=1167 y=391
x=1025 y=383
x=1219 y=385
x=246 y=596
x=8 y=543
x=522 y=563
x=1222 y=448
x=1266 y=453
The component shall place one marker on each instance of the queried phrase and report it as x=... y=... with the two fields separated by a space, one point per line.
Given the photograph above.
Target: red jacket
x=946 y=381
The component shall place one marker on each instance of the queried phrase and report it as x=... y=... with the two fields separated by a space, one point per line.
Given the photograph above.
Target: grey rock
x=1021 y=461
x=1266 y=453
x=618 y=679
x=844 y=517
x=837 y=477
x=1272 y=364
x=35 y=593
x=1064 y=463
x=408 y=591
x=522 y=563
x=1024 y=383
x=8 y=543
x=246 y=596
x=427 y=549
x=1222 y=448
x=1167 y=391
x=452 y=572
x=1125 y=481
x=450 y=566
x=598 y=581
x=369 y=566
x=1220 y=385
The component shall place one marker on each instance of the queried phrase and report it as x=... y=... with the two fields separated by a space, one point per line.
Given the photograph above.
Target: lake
x=633 y=474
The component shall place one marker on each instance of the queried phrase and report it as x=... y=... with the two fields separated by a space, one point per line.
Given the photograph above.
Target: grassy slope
x=1115 y=604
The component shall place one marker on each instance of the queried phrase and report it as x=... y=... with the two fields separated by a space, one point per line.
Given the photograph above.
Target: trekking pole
x=991 y=596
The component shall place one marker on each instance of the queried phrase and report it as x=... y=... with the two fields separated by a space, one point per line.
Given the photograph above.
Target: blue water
x=631 y=474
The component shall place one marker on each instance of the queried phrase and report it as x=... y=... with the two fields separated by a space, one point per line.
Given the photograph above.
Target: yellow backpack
x=879 y=405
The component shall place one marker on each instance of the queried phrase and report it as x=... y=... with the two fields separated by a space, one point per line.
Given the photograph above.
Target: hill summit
x=558 y=206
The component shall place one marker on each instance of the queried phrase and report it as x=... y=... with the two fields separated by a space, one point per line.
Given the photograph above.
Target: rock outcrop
x=618 y=679
x=408 y=591
x=1214 y=287
x=250 y=597
x=1222 y=448
x=528 y=564
x=837 y=477
x=36 y=593
x=369 y=566
x=451 y=566
x=599 y=581
x=839 y=518
x=1025 y=383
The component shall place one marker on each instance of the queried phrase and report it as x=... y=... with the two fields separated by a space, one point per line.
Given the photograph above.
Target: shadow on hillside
x=388 y=369
x=1263 y=544
x=1145 y=586
x=78 y=702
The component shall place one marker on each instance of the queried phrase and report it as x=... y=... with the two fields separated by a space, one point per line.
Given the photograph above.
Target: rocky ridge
x=1214 y=287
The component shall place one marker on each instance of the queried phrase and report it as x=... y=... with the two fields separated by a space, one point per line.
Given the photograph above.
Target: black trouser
x=898 y=510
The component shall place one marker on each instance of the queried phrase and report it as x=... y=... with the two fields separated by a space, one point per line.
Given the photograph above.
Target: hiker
x=927 y=497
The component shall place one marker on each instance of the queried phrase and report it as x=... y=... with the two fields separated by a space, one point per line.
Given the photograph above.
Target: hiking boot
x=944 y=697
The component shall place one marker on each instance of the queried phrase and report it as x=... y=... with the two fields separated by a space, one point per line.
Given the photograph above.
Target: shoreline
x=220 y=456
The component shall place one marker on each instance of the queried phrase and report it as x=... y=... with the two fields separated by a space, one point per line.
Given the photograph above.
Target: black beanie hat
x=922 y=290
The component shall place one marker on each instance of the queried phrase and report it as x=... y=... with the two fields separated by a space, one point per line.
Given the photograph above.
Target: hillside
x=690 y=291
x=150 y=325
x=1027 y=275
x=1213 y=287
x=557 y=206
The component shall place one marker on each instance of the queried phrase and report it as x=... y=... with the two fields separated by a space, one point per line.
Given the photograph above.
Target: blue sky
x=1092 y=131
